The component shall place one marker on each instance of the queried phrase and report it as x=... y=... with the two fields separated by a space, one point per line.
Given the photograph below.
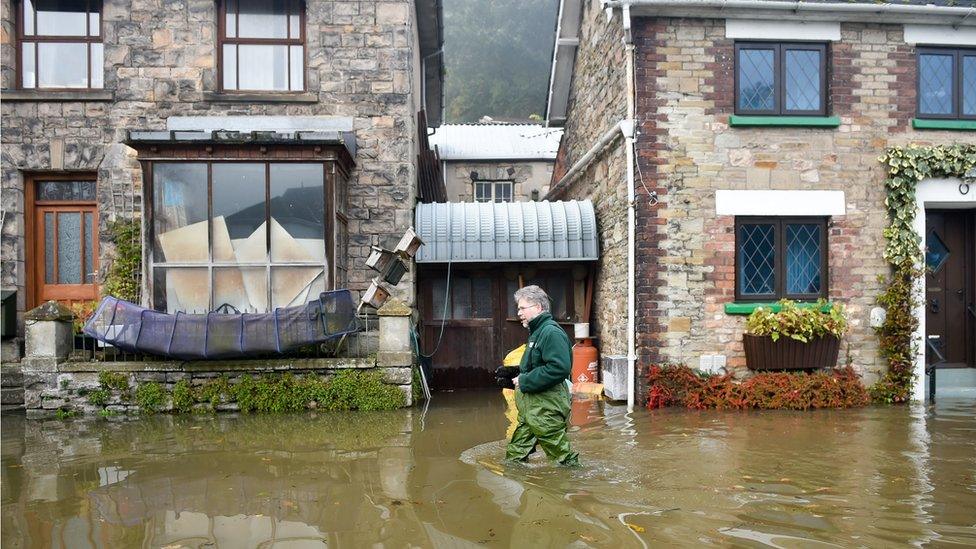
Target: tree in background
x=497 y=55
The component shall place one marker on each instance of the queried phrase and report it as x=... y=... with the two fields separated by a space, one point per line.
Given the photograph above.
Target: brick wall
x=686 y=150
x=160 y=62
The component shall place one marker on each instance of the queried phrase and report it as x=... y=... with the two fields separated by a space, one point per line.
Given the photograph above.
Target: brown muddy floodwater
x=874 y=477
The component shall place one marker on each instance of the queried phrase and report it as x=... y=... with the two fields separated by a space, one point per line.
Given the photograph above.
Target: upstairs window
x=60 y=44
x=493 y=191
x=780 y=79
x=946 y=83
x=262 y=45
x=777 y=257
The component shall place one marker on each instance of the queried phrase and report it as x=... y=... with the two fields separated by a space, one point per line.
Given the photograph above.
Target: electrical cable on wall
x=447 y=299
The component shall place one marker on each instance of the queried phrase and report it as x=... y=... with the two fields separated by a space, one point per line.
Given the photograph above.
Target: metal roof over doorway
x=506 y=232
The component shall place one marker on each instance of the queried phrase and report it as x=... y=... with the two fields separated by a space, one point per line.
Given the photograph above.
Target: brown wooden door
x=950 y=285
x=62 y=238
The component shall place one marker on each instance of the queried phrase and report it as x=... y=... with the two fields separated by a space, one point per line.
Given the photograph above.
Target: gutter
x=803 y=11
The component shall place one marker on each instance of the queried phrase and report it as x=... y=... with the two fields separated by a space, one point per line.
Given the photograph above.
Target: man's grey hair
x=535 y=295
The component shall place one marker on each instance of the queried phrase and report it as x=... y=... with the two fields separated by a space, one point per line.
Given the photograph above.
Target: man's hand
x=515 y=381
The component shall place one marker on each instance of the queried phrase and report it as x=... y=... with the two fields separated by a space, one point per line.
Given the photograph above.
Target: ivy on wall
x=123 y=279
x=906 y=167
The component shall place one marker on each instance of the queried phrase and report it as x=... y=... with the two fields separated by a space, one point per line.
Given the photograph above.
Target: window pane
x=243 y=288
x=49 y=249
x=65 y=190
x=181 y=289
x=294 y=20
x=97 y=64
x=263 y=19
x=95 y=20
x=756 y=259
x=180 y=212
x=63 y=65
x=803 y=259
x=297 y=61
x=230 y=23
x=263 y=67
x=89 y=246
x=482 y=192
x=62 y=17
x=438 y=291
x=503 y=192
x=969 y=85
x=510 y=287
x=460 y=297
x=298 y=209
x=292 y=286
x=756 y=80
x=28 y=17
x=556 y=289
x=229 y=69
x=935 y=83
x=239 y=231
x=69 y=248
x=482 y=297
x=802 y=80
x=28 y=65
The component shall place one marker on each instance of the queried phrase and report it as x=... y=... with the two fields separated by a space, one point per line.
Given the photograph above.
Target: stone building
x=262 y=148
x=752 y=134
x=496 y=162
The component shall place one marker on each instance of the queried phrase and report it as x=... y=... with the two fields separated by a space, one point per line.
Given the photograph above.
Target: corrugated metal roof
x=496 y=142
x=512 y=231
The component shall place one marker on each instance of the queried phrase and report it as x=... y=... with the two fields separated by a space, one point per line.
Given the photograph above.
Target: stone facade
x=527 y=177
x=597 y=103
x=686 y=150
x=160 y=61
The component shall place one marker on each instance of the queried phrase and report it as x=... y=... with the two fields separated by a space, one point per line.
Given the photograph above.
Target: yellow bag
x=514 y=357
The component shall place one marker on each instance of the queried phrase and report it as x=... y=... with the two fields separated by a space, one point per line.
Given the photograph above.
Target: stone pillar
x=395 y=355
x=47 y=339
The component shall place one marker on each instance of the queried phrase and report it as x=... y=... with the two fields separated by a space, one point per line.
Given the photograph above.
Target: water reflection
x=870 y=477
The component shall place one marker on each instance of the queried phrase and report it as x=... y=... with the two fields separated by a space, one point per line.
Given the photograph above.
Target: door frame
x=932 y=194
x=33 y=263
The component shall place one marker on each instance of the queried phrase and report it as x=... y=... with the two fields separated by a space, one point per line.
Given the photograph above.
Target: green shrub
x=150 y=397
x=183 y=398
x=799 y=323
x=359 y=390
x=98 y=397
x=214 y=392
x=115 y=381
x=122 y=279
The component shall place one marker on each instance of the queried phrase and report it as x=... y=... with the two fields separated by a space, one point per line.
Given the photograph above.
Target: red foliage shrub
x=679 y=385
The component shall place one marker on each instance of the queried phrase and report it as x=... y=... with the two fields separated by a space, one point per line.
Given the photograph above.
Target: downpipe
x=628 y=131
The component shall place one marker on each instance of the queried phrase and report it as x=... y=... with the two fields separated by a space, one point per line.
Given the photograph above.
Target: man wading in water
x=541 y=394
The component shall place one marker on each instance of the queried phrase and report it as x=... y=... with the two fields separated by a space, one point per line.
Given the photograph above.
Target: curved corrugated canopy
x=512 y=231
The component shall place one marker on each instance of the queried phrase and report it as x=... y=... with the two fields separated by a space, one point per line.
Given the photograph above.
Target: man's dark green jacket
x=548 y=359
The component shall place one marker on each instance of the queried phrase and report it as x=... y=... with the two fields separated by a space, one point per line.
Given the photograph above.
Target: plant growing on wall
x=123 y=278
x=906 y=167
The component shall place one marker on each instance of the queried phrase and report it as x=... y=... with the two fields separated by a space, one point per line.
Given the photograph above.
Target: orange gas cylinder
x=585 y=360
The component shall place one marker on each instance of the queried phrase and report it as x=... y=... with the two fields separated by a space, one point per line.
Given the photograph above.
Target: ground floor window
x=779 y=257
x=237 y=236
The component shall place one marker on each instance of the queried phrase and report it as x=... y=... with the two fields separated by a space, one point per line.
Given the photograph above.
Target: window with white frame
x=493 y=191
x=60 y=43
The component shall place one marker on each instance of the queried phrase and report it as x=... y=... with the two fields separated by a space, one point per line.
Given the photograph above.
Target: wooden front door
x=63 y=240
x=950 y=285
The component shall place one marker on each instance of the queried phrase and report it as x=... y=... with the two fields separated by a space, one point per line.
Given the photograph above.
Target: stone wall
x=527 y=176
x=597 y=103
x=687 y=150
x=160 y=62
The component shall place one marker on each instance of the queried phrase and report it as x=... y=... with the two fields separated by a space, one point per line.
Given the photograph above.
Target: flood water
x=873 y=477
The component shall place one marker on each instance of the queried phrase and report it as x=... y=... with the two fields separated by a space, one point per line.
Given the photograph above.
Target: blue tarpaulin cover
x=214 y=335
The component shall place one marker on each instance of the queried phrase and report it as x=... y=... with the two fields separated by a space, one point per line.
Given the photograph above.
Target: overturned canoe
x=209 y=336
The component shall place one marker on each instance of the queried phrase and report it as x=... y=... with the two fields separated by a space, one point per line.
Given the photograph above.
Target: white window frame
x=494 y=185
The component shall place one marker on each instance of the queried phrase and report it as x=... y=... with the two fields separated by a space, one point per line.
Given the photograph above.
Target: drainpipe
x=629 y=133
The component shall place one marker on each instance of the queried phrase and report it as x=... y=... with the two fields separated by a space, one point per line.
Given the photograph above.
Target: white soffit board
x=941 y=35
x=779 y=202
x=755 y=29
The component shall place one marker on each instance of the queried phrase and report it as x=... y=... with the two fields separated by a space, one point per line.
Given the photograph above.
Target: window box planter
x=762 y=353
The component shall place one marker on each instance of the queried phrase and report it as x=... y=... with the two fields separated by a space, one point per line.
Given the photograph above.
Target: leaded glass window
x=780 y=257
x=780 y=79
x=946 y=83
